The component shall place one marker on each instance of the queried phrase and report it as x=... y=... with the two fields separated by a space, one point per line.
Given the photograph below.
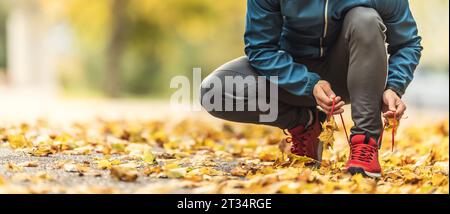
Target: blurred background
x=121 y=54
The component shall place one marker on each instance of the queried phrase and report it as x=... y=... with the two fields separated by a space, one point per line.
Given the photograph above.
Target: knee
x=211 y=85
x=362 y=18
x=211 y=90
x=365 y=24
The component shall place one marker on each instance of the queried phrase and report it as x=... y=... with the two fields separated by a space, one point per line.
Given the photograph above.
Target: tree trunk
x=115 y=49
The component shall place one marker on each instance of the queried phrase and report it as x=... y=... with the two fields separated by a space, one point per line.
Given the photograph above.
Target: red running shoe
x=364 y=157
x=305 y=141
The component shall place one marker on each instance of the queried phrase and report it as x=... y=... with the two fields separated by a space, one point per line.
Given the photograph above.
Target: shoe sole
x=359 y=170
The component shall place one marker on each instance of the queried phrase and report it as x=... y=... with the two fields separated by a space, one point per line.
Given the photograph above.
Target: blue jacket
x=271 y=44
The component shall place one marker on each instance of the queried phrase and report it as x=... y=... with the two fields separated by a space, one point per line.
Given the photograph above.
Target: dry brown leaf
x=29 y=164
x=239 y=171
x=124 y=174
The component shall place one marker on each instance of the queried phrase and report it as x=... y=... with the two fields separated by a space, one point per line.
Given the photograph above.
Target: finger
x=339 y=105
x=330 y=93
x=389 y=114
x=322 y=96
x=325 y=99
x=340 y=111
x=324 y=110
x=401 y=108
x=324 y=106
x=392 y=106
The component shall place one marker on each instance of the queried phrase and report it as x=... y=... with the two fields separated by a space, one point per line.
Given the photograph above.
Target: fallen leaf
x=13 y=167
x=104 y=164
x=2 y=181
x=72 y=167
x=18 y=141
x=327 y=134
x=176 y=172
x=42 y=150
x=152 y=170
x=124 y=174
x=439 y=179
x=29 y=164
x=239 y=171
x=148 y=157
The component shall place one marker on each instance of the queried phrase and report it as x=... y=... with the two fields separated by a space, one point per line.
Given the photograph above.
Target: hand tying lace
x=386 y=125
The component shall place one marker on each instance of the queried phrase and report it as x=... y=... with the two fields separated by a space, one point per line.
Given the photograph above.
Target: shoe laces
x=341 y=116
x=394 y=130
x=394 y=127
x=363 y=152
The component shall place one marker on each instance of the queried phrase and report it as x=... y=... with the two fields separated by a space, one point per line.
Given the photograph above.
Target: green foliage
x=2 y=36
x=161 y=39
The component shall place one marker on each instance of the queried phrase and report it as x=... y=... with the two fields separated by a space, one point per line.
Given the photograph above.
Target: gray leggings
x=356 y=68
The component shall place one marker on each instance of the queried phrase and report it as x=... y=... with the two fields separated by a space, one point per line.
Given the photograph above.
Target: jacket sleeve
x=403 y=43
x=262 y=38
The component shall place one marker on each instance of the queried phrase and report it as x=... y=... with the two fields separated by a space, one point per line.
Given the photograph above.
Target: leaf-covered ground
x=205 y=156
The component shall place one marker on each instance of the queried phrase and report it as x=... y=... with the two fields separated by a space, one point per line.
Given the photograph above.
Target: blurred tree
x=3 y=17
x=115 y=48
x=146 y=42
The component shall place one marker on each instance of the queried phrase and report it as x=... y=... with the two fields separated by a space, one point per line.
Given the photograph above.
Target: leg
x=360 y=59
x=289 y=115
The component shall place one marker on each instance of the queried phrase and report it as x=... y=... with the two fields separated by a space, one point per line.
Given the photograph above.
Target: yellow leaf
x=391 y=124
x=295 y=159
x=269 y=154
x=149 y=157
x=104 y=164
x=209 y=171
x=42 y=150
x=171 y=166
x=291 y=188
x=152 y=170
x=176 y=173
x=115 y=162
x=357 y=178
x=13 y=167
x=18 y=141
x=118 y=147
x=267 y=170
x=43 y=176
x=124 y=174
x=2 y=181
x=327 y=135
x=439 y=179
x=410 y=177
